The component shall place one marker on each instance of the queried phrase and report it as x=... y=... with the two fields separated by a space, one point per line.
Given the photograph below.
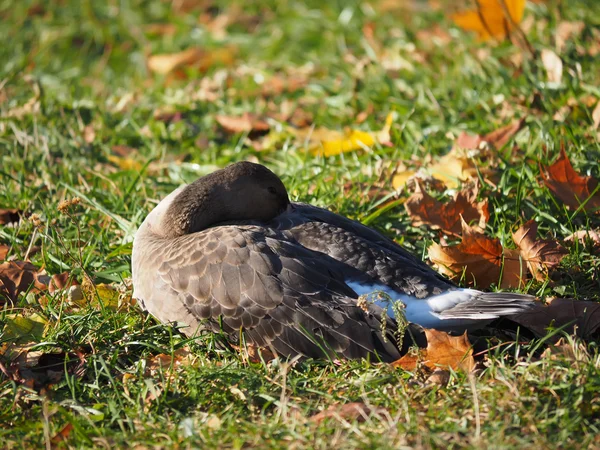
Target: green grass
x=83 y=64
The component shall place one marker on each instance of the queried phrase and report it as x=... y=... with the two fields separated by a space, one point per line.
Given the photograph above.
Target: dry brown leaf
x=500 y=137
x=553 y=65
x=577 y=316
x=4 y=251
x=584 y=235
x=479 y=257
x=423 y=209
x=89 y=134
x=8 y=216
x=355 y=411
x=163 y=362
x=246 y=123
x=539 y=254
x=439 y=377
x=19 y=276
x=596 y=116
x=565 y=31
x=160 y=29
x=62 y=435
x=164 y=64
x=570 y=187
x=483 y=260
x=61 y=281
x=442 y=350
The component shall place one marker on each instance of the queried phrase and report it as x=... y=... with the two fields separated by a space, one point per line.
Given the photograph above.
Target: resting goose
x=230 y=252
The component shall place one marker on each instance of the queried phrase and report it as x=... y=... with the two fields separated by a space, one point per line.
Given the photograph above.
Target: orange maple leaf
x=492 y=18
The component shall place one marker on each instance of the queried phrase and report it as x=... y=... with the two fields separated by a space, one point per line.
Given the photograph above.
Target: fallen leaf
x=483 y=260
x=565 y=31
x=478 y=256
x=63 y=434
x=423 y=209
x=569 y=187
x=553 y=65
x=102 y=295
x=584 y=235
x=61 y=281
x=20 y=276
x=161 y=29
x=20 y=329
x=596 y=116
x=89 y=134
x=4 y=251
x=355 y=411
x=490 y=19
x=500 y=137
x=439 y=377
x=164 y=362
x=124 y=157
x=459 y=165
x=577 y=316
x=539 y=254
x=246 y=123
x=329 y=143
x=442 y=350
x=164 y=64
x=9 y=216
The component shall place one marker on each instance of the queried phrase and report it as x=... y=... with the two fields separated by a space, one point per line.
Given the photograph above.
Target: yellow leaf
x=99 y=293
x=453 y=168
x=20 y=329
x=125 y=163
x=401 y=177
x=490 y=19
x=329 y=143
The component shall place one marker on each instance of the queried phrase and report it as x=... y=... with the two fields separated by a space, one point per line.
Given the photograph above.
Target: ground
x=87 y=113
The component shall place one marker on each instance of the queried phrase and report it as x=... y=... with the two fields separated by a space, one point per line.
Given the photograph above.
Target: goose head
x=241 y=191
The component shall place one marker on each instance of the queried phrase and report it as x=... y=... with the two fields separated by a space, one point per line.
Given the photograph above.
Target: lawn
x=90 y=110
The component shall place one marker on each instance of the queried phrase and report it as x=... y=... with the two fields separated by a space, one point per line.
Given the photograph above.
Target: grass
x=67 y=67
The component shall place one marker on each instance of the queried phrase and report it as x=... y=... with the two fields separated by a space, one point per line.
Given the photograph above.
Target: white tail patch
x=423 y=311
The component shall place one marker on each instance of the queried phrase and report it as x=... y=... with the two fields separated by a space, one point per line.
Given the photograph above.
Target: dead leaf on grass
x=423 y=209
x=565 y=31
x=577 y=316
x=61 y=281
x=355 y=411
x=4 y=249
x=539 y=254
x=585 y=235
x=442 y=350
x=484 y=261
x=327 y=142
x=553 y=65
x=168 y=63
x=569 y=186
x=63 y=434
x=9 y=216
x=20 y=276
x=479 y=257
x=596 y=116
x=490 y=19
x=163 y=362
x=246 y=123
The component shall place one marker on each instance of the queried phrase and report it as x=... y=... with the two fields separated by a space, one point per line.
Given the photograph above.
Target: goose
x=230 y=253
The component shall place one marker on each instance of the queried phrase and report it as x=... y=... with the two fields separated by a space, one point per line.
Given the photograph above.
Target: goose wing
x=368 y=256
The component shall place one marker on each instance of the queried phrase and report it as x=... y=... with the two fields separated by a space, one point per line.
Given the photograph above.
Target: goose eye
x=272 y=190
